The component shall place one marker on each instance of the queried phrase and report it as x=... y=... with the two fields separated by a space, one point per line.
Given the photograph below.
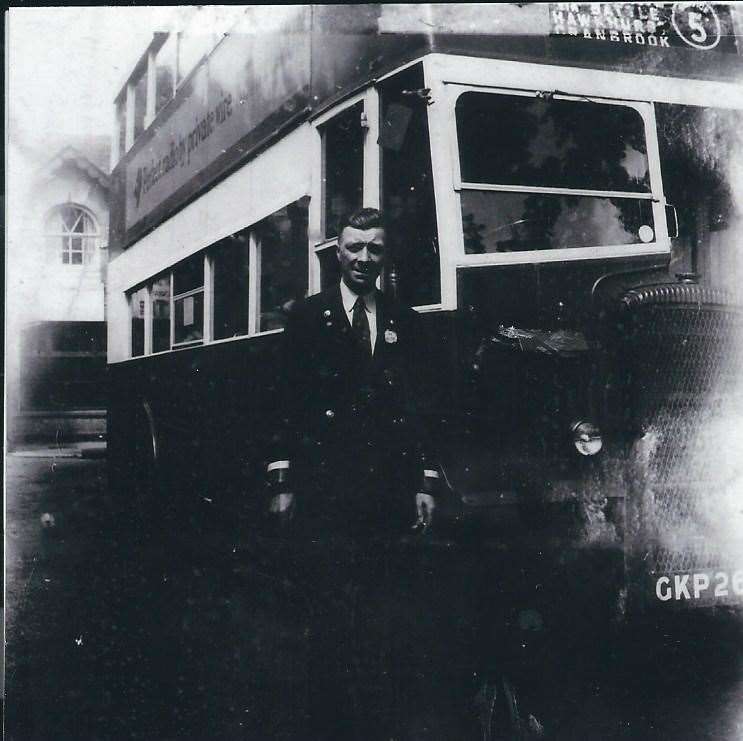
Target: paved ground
x=107 y=636
x=112 y=636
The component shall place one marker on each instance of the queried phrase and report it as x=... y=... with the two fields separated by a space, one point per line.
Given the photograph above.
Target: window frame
x=659 y=245
x=445 y=70
x=371 y=175
x=149 y=327
x=67 y=236
x=206 y=320
x=147 y=321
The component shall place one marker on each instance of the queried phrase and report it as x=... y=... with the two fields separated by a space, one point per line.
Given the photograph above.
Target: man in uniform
x=352 y=471
x=352 y=440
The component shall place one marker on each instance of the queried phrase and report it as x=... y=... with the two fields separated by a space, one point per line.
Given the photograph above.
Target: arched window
x=73 y=233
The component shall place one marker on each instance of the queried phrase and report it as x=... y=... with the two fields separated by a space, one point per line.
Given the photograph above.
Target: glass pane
x=283 y=237
x=193 y=46
x=65 y=257
x=407 y=190
x=513 y=222
x=69 y=217
x=140 y=103
x=89 y=249
x=520 y=140
x=121 y=126
x=161 y=314
x=165 y=72
x=76 y=258
x=189 y=318
x=189 y=275
x=137 y=306
x=344 y=167
x=88 y=225
x=79 y=222
x=699 y=154
x=330 y=269
x=231 y=274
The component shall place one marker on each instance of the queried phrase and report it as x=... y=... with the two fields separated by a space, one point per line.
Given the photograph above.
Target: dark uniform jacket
x=351 y=423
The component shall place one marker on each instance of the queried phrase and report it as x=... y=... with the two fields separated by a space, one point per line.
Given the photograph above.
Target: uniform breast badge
x=390 y=336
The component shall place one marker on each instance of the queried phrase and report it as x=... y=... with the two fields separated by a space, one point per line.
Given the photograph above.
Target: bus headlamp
x=587 y=438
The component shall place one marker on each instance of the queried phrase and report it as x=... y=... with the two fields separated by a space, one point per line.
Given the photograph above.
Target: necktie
x=360 y=324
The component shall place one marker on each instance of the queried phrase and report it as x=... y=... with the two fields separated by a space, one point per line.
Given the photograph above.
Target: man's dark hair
x=363 y=218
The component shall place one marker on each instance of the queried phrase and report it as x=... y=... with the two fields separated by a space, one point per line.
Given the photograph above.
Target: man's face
x=361 y=256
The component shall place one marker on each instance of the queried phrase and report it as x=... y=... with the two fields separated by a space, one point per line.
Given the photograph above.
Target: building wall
x=39 y=287
x=70 y=292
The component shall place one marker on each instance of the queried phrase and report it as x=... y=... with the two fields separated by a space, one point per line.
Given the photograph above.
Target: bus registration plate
x=709 y=587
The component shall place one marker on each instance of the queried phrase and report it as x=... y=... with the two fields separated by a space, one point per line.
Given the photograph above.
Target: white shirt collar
x=349 y=299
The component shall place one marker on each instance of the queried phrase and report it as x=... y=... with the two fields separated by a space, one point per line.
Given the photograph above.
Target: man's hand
x=425 y=505
x=282 y=504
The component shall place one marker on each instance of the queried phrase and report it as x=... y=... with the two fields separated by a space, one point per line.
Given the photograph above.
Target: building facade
x=56 y=261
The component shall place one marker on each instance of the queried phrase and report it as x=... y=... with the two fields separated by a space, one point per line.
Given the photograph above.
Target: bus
x=563 y=187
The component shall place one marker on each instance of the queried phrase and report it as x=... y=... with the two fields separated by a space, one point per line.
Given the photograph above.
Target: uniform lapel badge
x=390 y=336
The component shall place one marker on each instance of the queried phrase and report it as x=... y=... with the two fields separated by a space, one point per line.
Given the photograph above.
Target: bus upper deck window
x=542 y=145
x=188 y=301
x=343 y=166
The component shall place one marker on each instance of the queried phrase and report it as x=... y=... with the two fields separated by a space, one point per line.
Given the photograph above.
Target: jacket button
x=329 y=413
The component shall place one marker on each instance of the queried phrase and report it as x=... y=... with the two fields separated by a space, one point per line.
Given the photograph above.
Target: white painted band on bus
x=276 y=465
x=427 y=473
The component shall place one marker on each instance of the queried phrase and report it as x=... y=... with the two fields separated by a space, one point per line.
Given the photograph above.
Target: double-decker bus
x=560 y=184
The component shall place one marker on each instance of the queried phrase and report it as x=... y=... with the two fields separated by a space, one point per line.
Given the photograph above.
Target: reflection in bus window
x=330 y=269
x=407 y=189
x=137 y=302
x=160 y=292
x=140 y=104
x=513 y=222
x=540 y=146
x=192 y=47
x=231 y=260
x=189 y=275
x=519 y=140
x=283 y=269
x=166 y=62
x=343 y=140
x=188 y=301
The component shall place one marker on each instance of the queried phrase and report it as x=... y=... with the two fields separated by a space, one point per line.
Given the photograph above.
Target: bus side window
x=137 y=301
x=188 y=301
x=282 y=237
x=343 y=167
x=160 y=292
x=407 y=188
x=231 y=284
